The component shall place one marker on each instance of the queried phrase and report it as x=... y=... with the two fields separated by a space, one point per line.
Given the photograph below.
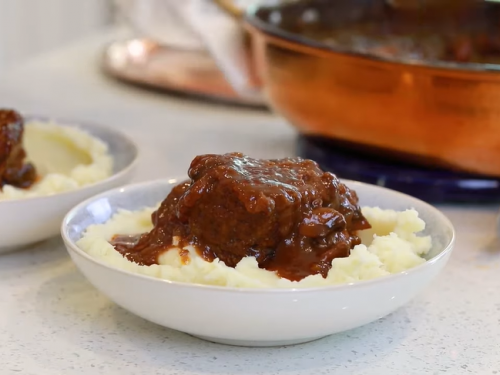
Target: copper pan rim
x=254 y=24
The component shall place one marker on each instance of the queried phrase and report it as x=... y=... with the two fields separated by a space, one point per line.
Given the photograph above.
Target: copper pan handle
x=230 y=8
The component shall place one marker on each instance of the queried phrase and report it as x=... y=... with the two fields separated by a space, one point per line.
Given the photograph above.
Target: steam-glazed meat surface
x=13 y=170
x=289 y=214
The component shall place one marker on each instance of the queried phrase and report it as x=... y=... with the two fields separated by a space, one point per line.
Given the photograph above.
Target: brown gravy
x=288 y=214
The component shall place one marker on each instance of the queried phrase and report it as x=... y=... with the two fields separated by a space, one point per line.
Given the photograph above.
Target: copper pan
x=441 y=113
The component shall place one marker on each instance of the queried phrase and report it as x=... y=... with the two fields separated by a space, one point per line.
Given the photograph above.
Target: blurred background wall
x=32 y=27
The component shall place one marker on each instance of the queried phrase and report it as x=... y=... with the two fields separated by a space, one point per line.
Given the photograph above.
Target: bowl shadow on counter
x=6 y=252
x=69 y=298
x=46 y=253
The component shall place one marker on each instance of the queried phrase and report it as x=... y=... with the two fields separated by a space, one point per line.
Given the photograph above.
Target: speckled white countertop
x=53 y=322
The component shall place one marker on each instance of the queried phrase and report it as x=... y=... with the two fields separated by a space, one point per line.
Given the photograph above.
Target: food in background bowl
x=244 y=222
x=13 y=168
x=43 y=158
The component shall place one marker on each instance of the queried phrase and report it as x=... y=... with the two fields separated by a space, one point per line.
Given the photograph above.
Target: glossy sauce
x=443 y=30
x=288 y=214
x=13 y=169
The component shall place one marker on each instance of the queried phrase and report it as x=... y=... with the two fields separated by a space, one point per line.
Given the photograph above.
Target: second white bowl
x=29 y=220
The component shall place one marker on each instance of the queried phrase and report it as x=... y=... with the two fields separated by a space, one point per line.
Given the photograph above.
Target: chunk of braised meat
x=13 y=169
x=287 y=213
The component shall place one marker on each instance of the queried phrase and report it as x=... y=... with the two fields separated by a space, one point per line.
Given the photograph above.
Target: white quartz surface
x=52 y=321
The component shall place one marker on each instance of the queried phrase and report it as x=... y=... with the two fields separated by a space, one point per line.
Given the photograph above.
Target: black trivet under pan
x=431 y=185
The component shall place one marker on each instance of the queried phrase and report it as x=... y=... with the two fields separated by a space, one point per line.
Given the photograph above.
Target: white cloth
x=160 y=20
x=222 y=35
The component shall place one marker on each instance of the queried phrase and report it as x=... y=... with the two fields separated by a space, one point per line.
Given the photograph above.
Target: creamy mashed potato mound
x=391 y=246
x=66 y=158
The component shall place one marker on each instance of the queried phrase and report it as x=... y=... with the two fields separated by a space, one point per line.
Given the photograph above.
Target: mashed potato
x=65 y=157
x=391 y=246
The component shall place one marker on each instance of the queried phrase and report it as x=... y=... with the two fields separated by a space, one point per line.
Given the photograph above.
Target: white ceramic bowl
x=29 y=220
x=254 y=317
